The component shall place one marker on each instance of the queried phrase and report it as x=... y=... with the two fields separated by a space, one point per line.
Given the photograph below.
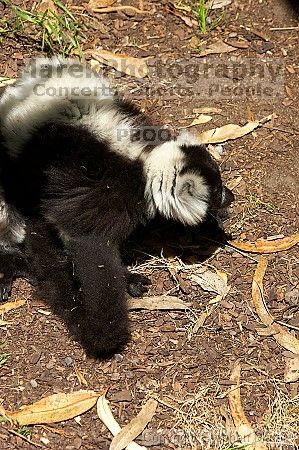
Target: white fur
x=23 y=108
x=12 y=230
x=180 y=197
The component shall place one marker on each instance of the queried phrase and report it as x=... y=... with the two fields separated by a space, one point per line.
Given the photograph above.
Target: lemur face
x=201 y=169
x=184 y=182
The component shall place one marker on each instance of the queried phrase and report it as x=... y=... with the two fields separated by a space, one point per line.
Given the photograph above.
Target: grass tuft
x=203 y=12
x=4 y=357
x=54 y=30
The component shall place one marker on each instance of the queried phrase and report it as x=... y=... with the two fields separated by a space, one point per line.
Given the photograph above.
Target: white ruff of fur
x=37 y=99
x=180 y=197
x=10 y=232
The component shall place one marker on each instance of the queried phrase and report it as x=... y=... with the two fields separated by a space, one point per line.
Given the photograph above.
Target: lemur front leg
x=13 y=264
x=137 y=284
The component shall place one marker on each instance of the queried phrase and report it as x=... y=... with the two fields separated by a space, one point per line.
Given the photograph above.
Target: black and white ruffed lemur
x=77 y=178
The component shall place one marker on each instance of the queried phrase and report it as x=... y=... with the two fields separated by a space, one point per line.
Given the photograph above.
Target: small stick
x=284 y=29
x=15 y=433
x=115 y=9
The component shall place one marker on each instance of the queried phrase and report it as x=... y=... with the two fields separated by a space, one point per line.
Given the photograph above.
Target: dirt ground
x=187 y=370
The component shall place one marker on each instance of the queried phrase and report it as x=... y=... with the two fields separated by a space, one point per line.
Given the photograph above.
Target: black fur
x=59 y=186
x=80 y=201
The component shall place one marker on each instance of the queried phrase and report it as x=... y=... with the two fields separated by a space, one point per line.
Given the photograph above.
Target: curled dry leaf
x=231 y=131
x=203 y=118
x=4 y=81
x=46 y=5
x=55 y=408
x=8 y=306
x=211 y=281
x=159 y=302
x=217 y=47
x=100 y=3
x=106 y=416
x=264 y=246
x=282 y=336
x=216 y=4
x=207 y=110
x=135 y=67
x=291 y=371
x=135 y=426
x=242 y=424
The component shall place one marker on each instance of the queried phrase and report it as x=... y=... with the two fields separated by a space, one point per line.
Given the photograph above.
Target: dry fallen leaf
x=82 y=380
x=211 y=281
x=242 y=424
x=216 y=47
x=100 y=3
x=105 y=414
x=207 y=110
x=282 y=336
x=55 y=408
x=135 y=426
x=3 y=323
x=135 y=67
x=291 y=371
x=232 y=184
x=4 y=81
x=216 y=4
x=8 y=306
x=203 y=118
x=264 y=246
x=231 y=131
x=161 y=302
x=46 y=5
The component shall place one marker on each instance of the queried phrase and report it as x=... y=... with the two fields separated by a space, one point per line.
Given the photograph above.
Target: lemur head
x=183 y=181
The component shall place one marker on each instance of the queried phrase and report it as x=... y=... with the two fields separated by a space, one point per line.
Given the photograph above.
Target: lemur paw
x=6 y=280
x=12 y=265
x=137 y=284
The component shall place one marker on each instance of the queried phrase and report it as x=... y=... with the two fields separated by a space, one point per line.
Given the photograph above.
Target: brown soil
x=188 y=372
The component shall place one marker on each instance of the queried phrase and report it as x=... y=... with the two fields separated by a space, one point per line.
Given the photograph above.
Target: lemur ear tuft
x=188 y=187
x=227 y=197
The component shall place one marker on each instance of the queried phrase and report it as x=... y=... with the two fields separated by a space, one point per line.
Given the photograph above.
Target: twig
x=115 y=9
x=284 y=29
x=279 y=129
x=288 y=325
x=15 y=433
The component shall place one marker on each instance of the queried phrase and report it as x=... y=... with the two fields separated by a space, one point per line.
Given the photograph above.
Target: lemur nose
x=227 y=197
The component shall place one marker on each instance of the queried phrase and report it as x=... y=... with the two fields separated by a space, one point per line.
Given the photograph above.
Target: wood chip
x=159 y=302
x=8 y=306
x=291 y=371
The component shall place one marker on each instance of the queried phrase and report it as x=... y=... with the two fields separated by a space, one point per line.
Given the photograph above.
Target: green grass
x=256 y=203
x=236 y=447
x=3 y=358
x=23 y=430
x=54 y=31
x=205 y=21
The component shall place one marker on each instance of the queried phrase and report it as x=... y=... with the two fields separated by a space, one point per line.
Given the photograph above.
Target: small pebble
x=69 y=361
x=50 y=364
x=33 y=383
x=233 y=35
x=118 y=357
